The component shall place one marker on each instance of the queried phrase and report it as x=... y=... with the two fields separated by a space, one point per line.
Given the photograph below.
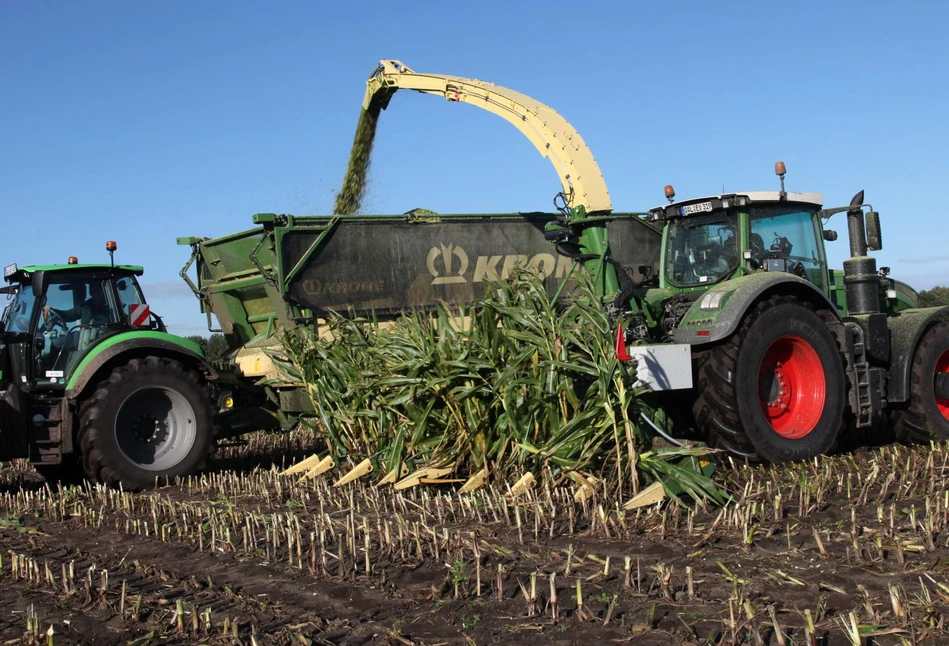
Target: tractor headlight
x=712 y=301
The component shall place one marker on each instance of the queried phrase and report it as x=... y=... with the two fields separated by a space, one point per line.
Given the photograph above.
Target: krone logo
x=452 y=273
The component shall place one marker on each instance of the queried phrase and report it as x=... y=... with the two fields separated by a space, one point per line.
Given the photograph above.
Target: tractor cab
x=708 y=241
x=712 y=239
x=57 y=313
x=91 y=382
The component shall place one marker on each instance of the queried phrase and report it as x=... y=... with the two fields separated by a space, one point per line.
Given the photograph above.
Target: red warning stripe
x=138 y=315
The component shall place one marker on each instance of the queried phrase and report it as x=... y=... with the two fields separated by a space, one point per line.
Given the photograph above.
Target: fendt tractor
x=727 y=303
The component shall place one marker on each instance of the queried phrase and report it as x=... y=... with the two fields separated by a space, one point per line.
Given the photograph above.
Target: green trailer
x=289 y=273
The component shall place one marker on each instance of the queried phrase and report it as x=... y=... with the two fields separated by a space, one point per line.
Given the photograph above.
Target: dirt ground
x=844 y=550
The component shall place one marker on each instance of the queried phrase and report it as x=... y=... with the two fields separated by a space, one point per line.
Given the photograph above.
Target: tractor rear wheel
x=150 y=419
x=927 y=415
x=775 y=390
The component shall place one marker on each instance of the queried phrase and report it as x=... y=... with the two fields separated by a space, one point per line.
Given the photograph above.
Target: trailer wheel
x=775 y=390
x=927 y=415
x=150 y=419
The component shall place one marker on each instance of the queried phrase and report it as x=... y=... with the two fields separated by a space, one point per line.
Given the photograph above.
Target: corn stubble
x=804 y=577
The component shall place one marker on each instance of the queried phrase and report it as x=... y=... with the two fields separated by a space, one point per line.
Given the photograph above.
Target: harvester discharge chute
x=552 y=135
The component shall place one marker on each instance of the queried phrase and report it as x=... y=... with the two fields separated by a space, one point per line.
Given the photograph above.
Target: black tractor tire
x=149 y=420
x=775 y=390
x=925 y=417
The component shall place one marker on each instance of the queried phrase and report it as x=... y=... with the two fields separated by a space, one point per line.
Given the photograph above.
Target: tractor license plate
x=701 y=207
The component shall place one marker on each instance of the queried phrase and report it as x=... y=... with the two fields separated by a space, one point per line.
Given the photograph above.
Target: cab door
x=78 y=312
x=786 y=237
x=16 y=353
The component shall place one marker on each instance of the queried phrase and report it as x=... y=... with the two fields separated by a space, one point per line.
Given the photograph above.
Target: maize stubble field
x=844 y=550
x=850 y=549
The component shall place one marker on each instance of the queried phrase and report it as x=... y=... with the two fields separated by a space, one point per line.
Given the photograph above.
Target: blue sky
x=141 y=122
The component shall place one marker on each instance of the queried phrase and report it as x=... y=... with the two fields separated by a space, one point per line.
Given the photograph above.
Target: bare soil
x=856 y=542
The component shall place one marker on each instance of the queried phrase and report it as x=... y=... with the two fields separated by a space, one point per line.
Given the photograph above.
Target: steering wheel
x=54 y=319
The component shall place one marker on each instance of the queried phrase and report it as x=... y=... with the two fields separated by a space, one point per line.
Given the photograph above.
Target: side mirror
x=874 y=236
x=40 y=282
x=830 y=235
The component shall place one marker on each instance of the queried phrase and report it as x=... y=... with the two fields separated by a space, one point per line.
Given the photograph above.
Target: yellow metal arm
x=551 y=134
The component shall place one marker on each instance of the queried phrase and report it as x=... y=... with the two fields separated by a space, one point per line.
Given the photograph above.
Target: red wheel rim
x=942 y=366
x=792 y=387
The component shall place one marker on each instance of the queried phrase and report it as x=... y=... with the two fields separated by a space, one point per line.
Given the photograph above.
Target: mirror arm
x=827 y=213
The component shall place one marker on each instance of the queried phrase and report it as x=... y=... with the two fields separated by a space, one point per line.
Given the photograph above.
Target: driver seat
x=87 y=338
x=758 y=252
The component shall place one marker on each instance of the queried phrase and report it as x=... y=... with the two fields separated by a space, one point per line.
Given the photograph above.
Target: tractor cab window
x=129 y=294
x=701 y=250
x=786 y=238
x=20 y=311
x=76 y=314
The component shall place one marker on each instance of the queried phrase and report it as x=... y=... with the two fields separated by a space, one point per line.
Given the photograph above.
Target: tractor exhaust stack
x=860 y=270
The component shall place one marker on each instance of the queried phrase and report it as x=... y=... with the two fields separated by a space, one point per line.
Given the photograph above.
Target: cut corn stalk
x=522 y=485
x=587 y=485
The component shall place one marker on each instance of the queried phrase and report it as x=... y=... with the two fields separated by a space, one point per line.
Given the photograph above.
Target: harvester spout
x=552 y=135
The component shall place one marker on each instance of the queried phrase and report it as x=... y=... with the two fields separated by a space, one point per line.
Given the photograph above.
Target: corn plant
x=526 y=384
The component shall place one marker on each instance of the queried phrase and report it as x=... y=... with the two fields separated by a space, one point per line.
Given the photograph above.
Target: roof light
x=670 y=193
x=72 y=260
x=780 y=170
x=111 y=246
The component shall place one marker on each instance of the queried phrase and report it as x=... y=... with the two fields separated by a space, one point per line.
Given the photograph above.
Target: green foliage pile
x=525 y=386
x=936 y=297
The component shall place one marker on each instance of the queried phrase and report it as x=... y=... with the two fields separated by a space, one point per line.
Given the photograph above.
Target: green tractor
x=92 y=383
x=785 y=352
